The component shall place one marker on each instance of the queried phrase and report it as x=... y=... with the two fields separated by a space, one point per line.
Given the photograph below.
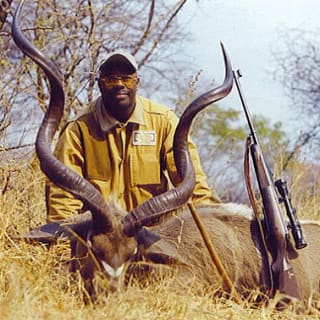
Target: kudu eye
x=89 y=243
x=131 y=255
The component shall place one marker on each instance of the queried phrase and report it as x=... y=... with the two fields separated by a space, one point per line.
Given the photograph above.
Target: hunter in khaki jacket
x=130 y=162
x=123 y=145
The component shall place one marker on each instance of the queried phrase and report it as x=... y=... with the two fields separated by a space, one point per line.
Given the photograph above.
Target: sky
x=249 y=30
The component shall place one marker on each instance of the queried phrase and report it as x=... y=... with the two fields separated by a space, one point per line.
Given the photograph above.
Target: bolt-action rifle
x=278 y=235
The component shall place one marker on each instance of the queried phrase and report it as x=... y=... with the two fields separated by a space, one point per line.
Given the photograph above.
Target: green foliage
x=221 y=137
x=223 y=124
x=226 y=126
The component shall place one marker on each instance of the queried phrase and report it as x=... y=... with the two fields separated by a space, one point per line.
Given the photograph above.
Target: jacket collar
x=107 y=122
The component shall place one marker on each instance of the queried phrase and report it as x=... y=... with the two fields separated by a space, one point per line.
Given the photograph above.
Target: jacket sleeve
x=61 y=204
x=202 y=193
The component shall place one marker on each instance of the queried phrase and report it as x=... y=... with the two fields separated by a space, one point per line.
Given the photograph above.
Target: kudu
x=113 y=236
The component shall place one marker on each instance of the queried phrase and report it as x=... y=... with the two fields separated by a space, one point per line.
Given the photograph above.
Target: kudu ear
x=68 y=229
x=146 y=238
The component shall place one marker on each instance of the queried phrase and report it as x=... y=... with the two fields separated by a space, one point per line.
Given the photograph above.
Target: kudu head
x=111 y=233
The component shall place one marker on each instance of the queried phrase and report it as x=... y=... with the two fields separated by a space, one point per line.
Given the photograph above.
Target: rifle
x=282 y=271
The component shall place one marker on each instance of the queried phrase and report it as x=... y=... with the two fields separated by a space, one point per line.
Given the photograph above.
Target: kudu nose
x=115 y=284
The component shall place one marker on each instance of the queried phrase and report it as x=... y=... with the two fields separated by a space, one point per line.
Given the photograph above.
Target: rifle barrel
x=236 y=75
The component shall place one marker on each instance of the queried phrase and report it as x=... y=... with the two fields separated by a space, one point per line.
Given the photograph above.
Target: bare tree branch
x=147 y=30
x=162 y=32
x=298 y=69
x=5 y=6
x=76 y=35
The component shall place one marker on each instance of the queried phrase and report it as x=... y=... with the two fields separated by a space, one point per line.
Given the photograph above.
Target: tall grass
x=35 y=283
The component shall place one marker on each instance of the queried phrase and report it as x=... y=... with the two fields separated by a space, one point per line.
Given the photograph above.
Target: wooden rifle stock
x=282 y=270
x=277 y=237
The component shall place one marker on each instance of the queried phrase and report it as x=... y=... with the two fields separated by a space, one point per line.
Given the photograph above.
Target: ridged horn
x=55 y=170
x=150 y=211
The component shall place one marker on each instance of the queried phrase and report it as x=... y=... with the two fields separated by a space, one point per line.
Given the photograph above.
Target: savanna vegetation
x=34 y=282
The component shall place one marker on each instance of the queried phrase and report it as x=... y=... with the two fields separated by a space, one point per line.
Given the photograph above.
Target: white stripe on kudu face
x=113 y=273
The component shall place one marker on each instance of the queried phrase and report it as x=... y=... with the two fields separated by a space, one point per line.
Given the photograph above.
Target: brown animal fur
x=235 y=236
x=238 y=243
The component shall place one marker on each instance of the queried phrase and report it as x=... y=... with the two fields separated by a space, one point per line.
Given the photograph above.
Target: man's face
x=118 y=89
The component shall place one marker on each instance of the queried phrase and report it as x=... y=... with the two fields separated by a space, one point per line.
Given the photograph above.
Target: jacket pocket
x=98 y=164
x=145 y=166
x=99 y=171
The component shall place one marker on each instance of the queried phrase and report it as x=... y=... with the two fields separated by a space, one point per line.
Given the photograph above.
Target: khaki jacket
x=129 y=162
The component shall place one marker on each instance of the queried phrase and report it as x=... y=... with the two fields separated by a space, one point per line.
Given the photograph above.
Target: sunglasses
x=113 y=80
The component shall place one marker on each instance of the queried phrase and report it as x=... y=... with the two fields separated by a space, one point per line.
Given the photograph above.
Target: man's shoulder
x=83 y=120
x=152 y=107
x=86 y=112
x=84 y=116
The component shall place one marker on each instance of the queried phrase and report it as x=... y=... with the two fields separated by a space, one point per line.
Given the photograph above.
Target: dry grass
x=34 y=283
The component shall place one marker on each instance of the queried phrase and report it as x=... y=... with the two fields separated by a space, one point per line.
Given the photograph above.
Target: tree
x=298 y=70
x=4 y=9
x=221 y=143
x=76 y=35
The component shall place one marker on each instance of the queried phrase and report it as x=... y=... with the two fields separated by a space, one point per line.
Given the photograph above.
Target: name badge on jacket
x=144 y=138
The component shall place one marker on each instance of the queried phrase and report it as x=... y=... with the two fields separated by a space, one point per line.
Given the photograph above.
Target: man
x=122 y=145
